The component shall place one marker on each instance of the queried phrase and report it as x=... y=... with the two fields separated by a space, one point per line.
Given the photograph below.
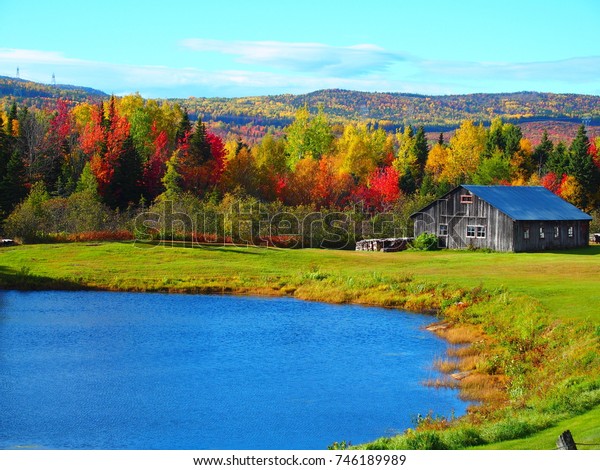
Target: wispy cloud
x=576 y=69
x=301 y=67
x=360 y=59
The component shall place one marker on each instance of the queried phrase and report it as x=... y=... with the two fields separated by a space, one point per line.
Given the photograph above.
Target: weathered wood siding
x=556 y=235
x=457 y=216
x=493 y=228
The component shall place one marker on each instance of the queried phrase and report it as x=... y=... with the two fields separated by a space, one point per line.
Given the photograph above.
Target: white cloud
x=577 y=69
x=304 y=67
x=310 y=57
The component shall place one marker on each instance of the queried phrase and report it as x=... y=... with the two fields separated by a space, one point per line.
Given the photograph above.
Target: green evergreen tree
x=184 y=128
x=4 y=149
x=408 y=183
x=494 y=140
x=12 y=186
x=581 y=165
x=512 y=136
x=171 y=180
x=126 y=187
x=199 y=149
x=542 y=152
x=558 y=162
x=421 y=150
x=87 y=182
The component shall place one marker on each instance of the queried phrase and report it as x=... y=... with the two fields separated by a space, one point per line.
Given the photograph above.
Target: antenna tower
x=53 y=79
x=17 y=72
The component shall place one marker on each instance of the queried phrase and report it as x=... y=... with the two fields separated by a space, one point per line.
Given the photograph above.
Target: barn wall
x=550 y=241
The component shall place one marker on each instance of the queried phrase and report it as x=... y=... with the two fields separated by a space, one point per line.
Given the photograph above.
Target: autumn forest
x=93 y=166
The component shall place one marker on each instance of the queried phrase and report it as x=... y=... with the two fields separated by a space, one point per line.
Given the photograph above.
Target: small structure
x=383 y=244
x=504 y=218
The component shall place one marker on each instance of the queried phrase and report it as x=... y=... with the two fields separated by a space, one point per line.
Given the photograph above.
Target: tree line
x=95 y=162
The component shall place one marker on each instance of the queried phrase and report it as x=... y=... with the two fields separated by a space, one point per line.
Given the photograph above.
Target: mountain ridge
x=390 y=110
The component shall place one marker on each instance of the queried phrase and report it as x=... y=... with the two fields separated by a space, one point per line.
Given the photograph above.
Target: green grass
x=533 y=318
x=565 y=283
x=585 y=429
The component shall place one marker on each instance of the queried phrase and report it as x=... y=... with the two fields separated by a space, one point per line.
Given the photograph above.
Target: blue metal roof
x=527 y=202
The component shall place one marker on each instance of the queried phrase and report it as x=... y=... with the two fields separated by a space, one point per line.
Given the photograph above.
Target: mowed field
x=566 y=283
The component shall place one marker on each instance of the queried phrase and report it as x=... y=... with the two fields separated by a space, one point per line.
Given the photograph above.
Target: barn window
x=443 y=229
x=466 y=199
x=571 y=232
x=526 y=233
x=542 y=234
x=556 y=231
x=476 y=231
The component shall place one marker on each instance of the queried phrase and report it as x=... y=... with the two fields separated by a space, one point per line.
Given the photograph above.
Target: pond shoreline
x=513 y=358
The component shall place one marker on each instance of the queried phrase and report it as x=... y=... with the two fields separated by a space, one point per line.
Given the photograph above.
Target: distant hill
x=39 y=94
x=393 y=110
x=252 y=117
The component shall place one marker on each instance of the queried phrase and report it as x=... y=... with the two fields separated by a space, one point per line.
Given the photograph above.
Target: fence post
x=565 y=441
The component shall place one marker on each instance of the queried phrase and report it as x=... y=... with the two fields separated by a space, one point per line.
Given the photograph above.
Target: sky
x=231 y=48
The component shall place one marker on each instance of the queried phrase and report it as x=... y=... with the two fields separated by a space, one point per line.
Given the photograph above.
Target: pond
x=106 y=370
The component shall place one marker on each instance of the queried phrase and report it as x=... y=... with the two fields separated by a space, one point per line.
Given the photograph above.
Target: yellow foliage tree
x=437 y=161
x=466 y=147
x=572 y=191
x=521 y=163
x=361 y=149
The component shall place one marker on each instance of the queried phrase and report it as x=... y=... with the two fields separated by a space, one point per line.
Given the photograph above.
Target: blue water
x=101 y=370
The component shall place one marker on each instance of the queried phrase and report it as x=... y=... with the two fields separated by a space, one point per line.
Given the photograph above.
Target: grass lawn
x=585 y=429
x=535 y=315
x=565 y=283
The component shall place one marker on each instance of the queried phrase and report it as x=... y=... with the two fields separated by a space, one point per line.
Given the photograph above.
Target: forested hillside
x=250 y=118
x=40 y=95
x=392 y=110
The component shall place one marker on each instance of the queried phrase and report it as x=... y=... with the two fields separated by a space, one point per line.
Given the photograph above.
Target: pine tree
x=184 y=128
x=87 y=183
x=12 y=186
x=199 y=149
x=125 y=187
x=581 y=166
x=558 y=162
x=421 y=149
x=172 y=180
x=4 y=149
x=542 y=152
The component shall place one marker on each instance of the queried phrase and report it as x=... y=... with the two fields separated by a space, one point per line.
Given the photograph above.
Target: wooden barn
x=504 y=218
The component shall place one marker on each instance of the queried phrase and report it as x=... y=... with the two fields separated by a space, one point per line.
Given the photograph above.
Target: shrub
x=426 y=242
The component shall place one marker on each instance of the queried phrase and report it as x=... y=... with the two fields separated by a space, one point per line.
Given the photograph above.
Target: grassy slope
x=566 y=283
x=562 y=285
x=584 y=428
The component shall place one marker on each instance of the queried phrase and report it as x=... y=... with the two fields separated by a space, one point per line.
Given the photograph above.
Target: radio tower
x=53 y=79
x=17 y=72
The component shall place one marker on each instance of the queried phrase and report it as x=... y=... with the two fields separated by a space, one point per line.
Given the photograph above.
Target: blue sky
x=174 y=48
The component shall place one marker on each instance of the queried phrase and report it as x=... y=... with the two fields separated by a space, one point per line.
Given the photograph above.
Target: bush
x=426 y=242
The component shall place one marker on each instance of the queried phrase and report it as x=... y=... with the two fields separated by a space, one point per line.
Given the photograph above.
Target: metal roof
x=527 y=202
